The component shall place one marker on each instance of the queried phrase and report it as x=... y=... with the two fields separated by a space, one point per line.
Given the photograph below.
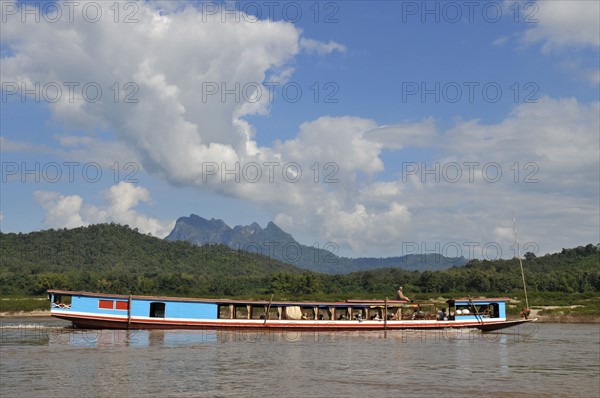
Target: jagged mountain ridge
x=272 y=241
x=200 y=231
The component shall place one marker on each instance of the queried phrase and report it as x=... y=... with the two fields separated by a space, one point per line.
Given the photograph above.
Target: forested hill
x=571 y=270
x=115 y=258
x=574 y=270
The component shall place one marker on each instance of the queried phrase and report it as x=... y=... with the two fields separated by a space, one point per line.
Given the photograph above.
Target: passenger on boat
x=304 y=316
x=400 y=295
x=418 y=314
x=525 y=313
x=442 y=316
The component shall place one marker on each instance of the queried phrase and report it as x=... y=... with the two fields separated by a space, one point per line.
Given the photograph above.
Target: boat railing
x=61 y=306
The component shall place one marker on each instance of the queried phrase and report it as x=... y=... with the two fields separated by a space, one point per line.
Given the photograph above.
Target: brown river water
x=42 y=357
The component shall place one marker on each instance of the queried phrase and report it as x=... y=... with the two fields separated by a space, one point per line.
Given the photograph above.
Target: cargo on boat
x=116 y=311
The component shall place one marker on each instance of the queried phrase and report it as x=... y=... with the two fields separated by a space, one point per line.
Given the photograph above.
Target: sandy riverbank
x=590 y=319
x=24 y=314
x=561 y=317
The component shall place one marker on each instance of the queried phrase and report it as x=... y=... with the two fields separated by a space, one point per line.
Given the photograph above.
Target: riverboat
x=116 y=311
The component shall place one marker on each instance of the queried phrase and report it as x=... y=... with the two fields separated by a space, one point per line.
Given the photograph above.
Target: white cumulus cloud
x=194 y=79
x=563 y=23
x=318 y=47
x=61 y=211
x=69 y=211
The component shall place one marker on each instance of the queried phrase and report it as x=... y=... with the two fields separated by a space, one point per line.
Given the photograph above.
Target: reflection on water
x=23 y=332
x=535 y=360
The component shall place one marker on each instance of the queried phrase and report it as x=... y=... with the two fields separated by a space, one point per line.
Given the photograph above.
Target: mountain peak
x=274 y=242
x=271 y=226
x=248 y=230
x=199 y=230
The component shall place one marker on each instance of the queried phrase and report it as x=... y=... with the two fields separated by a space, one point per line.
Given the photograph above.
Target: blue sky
x=381 y=126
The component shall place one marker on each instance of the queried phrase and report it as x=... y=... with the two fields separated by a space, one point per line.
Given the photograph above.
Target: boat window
x=106 y=304
x=493 y=311
x=61 y=301
x=488 y=310
x=225 y=312
x=157 y=310
x=241 y=312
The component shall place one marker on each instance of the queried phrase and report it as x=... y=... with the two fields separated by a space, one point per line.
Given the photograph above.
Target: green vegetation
x=117 y=259
x=15 y=304
x=114 y=258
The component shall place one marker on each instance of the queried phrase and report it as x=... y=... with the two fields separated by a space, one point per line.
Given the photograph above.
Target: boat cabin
x=115 y=305
x=182 y=308
x=475 y=309
x=142 y=306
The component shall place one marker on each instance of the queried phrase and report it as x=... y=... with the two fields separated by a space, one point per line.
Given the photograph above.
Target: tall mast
x=520 y=261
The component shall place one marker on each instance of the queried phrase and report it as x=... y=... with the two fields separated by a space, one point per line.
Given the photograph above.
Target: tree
x=530 y=256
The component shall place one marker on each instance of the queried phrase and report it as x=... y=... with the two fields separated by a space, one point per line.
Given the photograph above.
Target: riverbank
x=25 y=314
x=587 y=319
x=562 y=314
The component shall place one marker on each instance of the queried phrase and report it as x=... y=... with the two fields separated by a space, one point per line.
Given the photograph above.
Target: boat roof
x=347 y=303
x=469 y=300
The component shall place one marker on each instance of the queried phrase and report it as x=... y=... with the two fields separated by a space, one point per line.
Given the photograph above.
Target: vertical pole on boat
x=268 y=308
x=129 y=310
x=520 y=261
x=385 y=315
